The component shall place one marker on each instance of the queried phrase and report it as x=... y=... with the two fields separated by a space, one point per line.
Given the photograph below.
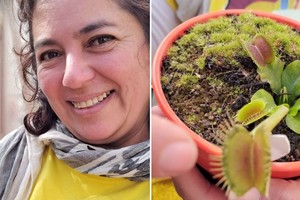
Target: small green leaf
x=295 y=108
x=291 y=79
x=251 y=112
x=272 y=74
x=260 y=51
x=265 y=97
x=293 y=122
x=293 y=118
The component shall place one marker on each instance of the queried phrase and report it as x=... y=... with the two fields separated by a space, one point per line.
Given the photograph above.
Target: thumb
x=173 y=151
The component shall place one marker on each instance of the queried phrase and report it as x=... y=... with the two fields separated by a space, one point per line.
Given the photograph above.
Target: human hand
x=174 y=154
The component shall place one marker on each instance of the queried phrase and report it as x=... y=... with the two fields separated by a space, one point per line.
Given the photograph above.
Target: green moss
x=187 y=80
x=174 y=50
x=165 y=80
x=220 y=39
x=200 y=62
x=214 y=82
x=219 y=110
x=192 y=119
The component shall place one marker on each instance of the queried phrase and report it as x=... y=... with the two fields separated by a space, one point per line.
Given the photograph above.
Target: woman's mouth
x=91 y=102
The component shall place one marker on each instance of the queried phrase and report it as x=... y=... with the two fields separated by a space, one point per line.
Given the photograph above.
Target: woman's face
x=93 y=66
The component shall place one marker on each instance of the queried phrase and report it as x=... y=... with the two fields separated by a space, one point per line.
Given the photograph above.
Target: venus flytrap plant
x=246 y=158
x=284 y=82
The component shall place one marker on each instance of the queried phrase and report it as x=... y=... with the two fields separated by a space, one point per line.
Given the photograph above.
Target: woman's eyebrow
x=45 y=42
x=94 y=26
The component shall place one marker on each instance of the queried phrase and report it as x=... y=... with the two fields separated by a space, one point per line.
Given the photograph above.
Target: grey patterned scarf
x=130 y=162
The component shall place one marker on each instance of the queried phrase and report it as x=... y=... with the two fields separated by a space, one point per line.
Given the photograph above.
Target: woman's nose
x=77 y=71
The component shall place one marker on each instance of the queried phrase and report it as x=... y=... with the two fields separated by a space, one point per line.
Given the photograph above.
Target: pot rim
x=279 y=169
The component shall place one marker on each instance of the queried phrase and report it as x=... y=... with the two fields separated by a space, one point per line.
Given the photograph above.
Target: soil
x=205 y=98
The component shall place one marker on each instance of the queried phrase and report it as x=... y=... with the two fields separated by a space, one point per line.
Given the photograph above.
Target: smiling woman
x=87 y=65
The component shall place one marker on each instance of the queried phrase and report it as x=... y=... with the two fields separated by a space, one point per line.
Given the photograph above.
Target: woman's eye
x=100 y=40
x=49 y=55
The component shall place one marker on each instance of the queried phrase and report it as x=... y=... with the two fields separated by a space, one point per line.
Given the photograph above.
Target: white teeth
x=95 y=100
x=90 y=102
x=100 y=98
x=82 y=104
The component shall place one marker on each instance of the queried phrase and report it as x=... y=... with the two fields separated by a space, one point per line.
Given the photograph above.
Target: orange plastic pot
x=206 y=149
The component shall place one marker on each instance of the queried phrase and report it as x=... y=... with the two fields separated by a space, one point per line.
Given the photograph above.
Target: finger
x=192 y=185
x=252 y=194
x=279 y=189
x=173 y=151
x=284 y=189
x=157 y=111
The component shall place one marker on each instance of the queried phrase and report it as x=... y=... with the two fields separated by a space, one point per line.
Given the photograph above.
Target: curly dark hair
x=43 y=118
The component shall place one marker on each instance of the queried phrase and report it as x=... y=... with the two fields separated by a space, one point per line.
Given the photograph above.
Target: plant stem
x=273 y=120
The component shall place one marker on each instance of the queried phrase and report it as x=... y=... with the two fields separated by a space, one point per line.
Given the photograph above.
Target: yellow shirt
x=163 y=189
x=58 y=181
